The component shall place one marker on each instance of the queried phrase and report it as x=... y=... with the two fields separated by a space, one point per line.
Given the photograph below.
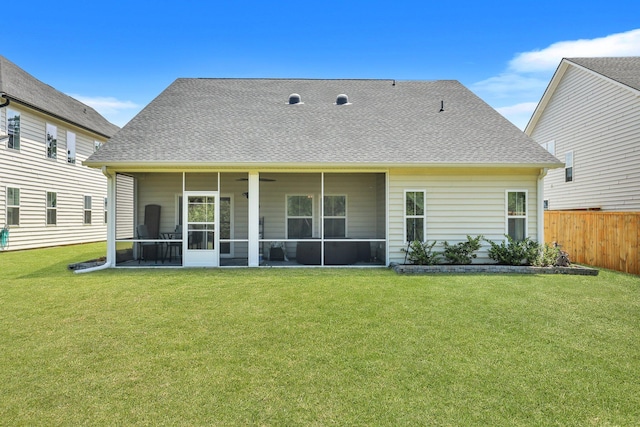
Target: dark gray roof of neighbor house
x=625 y=70
x=385 y=122
x=21 y=87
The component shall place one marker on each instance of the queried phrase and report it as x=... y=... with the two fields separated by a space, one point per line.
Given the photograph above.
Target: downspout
x=540 y=205
x=110 y=225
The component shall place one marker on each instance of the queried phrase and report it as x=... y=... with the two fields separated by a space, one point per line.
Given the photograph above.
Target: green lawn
x=312 y=347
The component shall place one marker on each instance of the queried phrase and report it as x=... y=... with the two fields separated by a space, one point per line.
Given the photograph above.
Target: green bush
x=514 y=252
x=463 y=252
x=421 y=253
x=547 y=256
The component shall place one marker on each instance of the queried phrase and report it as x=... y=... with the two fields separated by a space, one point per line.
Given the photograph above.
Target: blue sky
x=119 y=55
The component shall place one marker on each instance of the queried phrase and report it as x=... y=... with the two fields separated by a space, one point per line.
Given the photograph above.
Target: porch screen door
x=201 y=229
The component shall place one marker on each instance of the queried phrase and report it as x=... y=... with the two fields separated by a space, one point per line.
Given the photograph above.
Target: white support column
x=111 y=217
x=254 y=219
x=540 y=205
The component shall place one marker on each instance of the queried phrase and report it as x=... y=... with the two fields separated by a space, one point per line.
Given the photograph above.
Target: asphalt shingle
x=20 y=86
x=249 y=122
x=625 y=70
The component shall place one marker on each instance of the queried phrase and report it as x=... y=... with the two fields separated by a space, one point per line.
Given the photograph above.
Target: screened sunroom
x=235 y=219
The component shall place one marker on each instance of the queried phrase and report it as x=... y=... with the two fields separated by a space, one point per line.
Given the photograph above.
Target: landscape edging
x=491 y=268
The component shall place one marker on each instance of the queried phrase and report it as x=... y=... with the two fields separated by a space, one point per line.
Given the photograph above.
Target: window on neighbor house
x=550 y=147
x=335 y=217
x=13 y=206
x=299 y=216
x=96 y=145
x=71 y=147
x=105 y=210
x=517 y=215
x=545 y=204
x=568 y=167
x=87 y=209
x=51 y=139
x=414 y=215
x=13 y=129
x=52 y=206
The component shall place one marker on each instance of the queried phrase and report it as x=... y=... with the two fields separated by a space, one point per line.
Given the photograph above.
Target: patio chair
x=175 y=245
x=143 y=233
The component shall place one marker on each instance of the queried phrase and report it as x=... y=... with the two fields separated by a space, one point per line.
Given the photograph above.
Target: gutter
x=110 y=226
x=4 y=95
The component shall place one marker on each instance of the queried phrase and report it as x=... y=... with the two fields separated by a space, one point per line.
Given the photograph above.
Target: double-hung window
x=51 y=139
x=13 y=129
x=414 y=215
x=568 y=166
x=299 y=216
x=71 y=147
x=52 y=206
x=335 y=217
x=517 y=214
x=87 y=210
x=13 y=206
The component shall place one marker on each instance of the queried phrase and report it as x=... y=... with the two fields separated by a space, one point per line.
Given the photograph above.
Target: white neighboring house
x=234 y=172
x=589 y=117
x=47 y=197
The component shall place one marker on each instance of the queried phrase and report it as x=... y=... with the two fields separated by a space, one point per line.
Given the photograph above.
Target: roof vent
x=294 y=98
x=342 y=99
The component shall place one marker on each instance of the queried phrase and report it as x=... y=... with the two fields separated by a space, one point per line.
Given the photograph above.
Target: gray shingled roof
x=625 y=70
x=19 y=86
x=249 y=122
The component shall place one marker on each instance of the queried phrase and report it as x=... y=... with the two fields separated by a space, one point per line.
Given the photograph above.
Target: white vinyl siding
x=30 y=170
x=599 y=121
x=460 y=203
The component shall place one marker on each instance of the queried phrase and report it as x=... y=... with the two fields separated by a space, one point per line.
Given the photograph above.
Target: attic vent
x=342 y=99
x=294 y=98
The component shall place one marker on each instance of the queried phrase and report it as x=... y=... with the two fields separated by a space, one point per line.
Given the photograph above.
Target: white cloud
x=547 y=59
x=516 y=91
x=116 y=111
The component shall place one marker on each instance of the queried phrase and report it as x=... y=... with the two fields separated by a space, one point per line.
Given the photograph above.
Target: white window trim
x=85 y=210
x=48 y=208
x=572 y=166
x=405 y=216
x=19 y=114
x=6 y=196
x=72 y=160
x=286 y=212
x=346 y=213
x=550 y=146
x=508 y=217
x=51 y=129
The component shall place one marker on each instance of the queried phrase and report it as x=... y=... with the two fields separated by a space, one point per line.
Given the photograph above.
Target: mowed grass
x=312 y=346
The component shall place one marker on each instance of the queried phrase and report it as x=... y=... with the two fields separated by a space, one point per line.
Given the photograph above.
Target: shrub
x=421 y=253
x=514 y=252
x=463 y=252
x=547 y=256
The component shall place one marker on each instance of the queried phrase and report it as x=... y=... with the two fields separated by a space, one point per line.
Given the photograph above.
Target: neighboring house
x=47 y=197
x=589 y=117
x=255 y=172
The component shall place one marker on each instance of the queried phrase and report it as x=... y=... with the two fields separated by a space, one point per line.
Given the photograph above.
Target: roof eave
x=52 y=114
x=316 y=166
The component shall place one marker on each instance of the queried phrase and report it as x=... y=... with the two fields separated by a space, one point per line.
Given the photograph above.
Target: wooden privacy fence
x=601 y=239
